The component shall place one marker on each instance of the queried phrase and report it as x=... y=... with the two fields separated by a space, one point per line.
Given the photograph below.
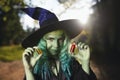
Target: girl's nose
x=55 y=44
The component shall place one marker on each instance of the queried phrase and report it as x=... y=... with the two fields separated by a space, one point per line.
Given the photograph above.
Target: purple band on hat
x=30 y=11
x=46 y=16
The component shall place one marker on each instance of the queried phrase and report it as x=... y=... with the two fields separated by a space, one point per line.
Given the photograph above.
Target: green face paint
x=55 y=41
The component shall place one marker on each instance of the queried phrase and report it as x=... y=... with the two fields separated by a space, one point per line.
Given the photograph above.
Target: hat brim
x=71 y=27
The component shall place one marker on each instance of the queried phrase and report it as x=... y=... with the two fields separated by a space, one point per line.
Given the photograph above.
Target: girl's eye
x=51 y=39
x=61 y=39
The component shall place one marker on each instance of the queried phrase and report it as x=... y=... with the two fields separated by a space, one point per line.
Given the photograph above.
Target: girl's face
x=55 y=41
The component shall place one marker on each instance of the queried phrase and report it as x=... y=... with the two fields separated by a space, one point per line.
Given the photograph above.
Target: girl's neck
x=55 y=67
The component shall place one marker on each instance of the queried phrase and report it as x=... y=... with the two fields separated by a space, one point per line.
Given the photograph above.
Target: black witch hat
x=49 y=22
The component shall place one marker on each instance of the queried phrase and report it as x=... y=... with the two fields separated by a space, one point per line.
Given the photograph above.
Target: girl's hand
x=28 y=58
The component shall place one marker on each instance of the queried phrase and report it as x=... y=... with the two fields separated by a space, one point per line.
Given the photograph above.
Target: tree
x=11 y=31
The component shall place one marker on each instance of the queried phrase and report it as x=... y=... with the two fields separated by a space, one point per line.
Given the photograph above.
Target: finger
x=85 y=47
x=29 y=51
x=81 y=45
x=38 y=57
x=25 y=53
x=27 y=58
x=35 y=47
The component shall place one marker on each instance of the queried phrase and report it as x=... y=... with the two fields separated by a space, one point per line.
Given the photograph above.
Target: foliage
x=11 y=31
x=10 y=53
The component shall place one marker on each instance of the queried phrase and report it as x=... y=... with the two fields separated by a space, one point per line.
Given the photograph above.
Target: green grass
x=10 y=53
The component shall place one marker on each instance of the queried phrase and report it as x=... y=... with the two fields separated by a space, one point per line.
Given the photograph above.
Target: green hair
x=43 y=68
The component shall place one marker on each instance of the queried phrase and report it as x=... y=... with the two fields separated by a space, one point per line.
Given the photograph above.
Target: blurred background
x=102 y=33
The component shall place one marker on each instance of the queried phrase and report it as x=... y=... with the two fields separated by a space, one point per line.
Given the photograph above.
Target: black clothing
x=77 y=73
